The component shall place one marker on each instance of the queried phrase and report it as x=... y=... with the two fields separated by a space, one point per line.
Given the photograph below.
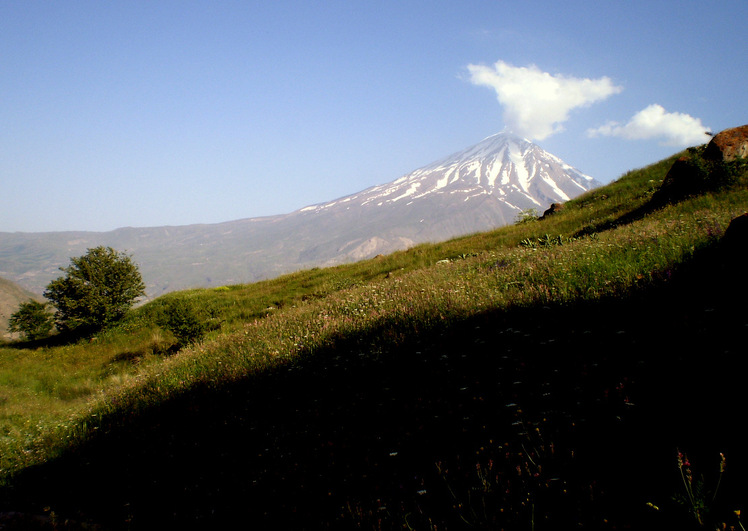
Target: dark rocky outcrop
x=735 y=241
x=704 y=168
x=728 y=145
x=553 y=209
x=685 y=178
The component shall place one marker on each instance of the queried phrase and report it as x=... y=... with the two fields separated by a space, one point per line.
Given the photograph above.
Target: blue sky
x=153 y=113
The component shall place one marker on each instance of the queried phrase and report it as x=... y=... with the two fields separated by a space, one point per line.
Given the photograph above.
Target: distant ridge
x=479 y=188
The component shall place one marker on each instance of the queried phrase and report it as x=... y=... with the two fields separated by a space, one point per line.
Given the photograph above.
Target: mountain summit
x=477 y=189
x=513 y=170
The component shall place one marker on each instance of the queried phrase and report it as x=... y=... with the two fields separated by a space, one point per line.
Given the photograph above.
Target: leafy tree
x=32 y=319
x=98 y=289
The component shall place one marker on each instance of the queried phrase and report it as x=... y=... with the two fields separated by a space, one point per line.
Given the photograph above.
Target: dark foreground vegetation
x=580 y=372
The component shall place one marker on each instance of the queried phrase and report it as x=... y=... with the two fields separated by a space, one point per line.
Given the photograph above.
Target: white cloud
x=674 y=128
x=536 y=103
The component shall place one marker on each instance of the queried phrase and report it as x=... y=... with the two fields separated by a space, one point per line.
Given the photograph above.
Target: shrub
x=181 y=318
x=526 y=216
x=32 y=319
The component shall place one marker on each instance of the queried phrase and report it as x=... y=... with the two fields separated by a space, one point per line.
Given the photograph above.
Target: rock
x=728 y=145
x=695 y=174
x=553 y=209
x=683 y=179
x=735 y=240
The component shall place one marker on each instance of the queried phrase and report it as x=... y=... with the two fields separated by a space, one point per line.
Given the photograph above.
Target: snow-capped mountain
x=512 y=170
x=480 y=188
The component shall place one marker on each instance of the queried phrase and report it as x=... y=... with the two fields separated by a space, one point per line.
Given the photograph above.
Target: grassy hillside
x=540 y=376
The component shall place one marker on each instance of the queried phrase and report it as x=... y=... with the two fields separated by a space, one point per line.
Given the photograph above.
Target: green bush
x=182 y=319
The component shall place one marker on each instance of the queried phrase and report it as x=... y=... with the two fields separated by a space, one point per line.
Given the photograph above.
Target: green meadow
x=583 y=371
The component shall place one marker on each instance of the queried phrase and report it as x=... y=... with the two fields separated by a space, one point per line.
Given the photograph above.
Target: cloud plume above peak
x=536 y=103
x=674 y=128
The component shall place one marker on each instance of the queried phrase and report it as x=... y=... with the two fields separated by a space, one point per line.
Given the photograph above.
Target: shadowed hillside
x=330 y=441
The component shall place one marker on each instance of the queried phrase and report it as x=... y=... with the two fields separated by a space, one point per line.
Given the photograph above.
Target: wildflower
x=683 y=460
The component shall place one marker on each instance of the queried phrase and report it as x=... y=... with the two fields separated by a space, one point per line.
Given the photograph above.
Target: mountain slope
x=479 y=188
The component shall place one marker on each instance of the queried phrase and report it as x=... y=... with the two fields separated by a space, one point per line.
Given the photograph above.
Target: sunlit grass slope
x=279 y=414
